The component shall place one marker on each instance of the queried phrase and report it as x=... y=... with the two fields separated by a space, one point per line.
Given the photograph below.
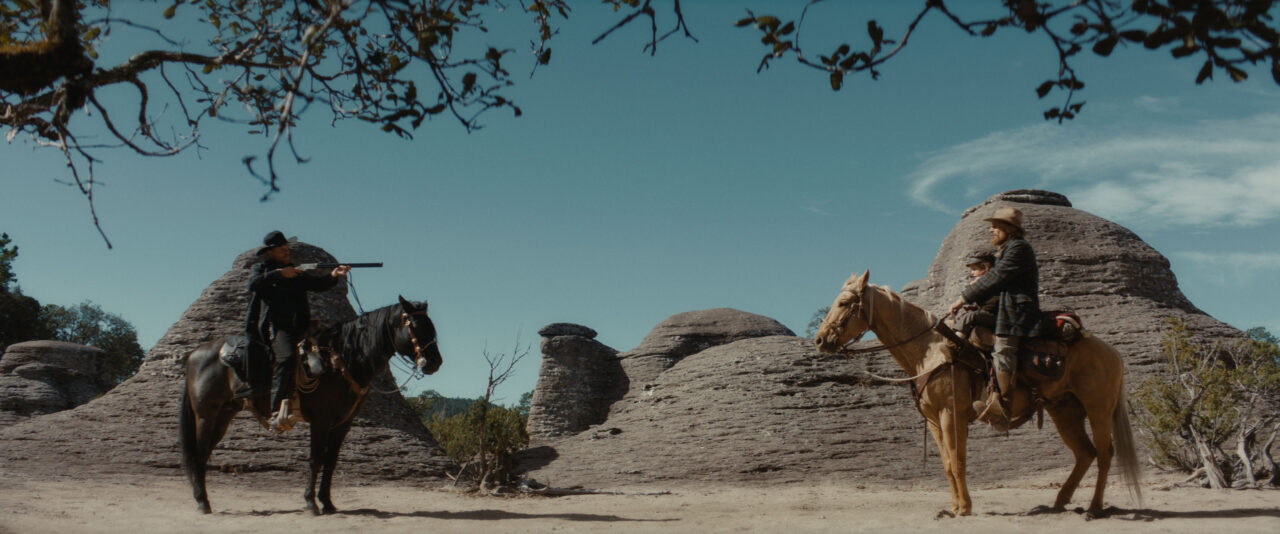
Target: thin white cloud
x=1246 y=264
x=1156 y=104
x=1219 y=173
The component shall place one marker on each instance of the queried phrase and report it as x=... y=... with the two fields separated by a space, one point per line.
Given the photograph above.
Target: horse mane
x=903 y=304
x=364 y=337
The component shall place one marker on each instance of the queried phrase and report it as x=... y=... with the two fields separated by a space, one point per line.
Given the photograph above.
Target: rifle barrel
x=331 y=265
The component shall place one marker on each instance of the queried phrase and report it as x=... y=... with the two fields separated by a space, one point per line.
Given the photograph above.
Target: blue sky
x=637 y=187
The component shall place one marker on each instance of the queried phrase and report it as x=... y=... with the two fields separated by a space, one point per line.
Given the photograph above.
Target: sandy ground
x=141 y=504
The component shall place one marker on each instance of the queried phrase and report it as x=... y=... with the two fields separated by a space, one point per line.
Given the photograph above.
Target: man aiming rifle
x=279 y=313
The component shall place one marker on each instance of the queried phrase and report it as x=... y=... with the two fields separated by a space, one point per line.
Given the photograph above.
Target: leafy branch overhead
x=259 y=64
x=1228 y=35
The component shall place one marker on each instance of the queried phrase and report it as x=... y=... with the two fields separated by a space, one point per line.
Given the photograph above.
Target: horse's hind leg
x=202 y=423
x=1068 y=417
x=1101 y=427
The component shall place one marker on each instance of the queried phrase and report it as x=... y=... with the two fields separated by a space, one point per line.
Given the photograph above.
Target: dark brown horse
x=364 y=345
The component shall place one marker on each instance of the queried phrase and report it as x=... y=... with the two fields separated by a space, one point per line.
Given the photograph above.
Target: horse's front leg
x=955 y=433
x=333 y=446
x=319 y=435
x=945 y=455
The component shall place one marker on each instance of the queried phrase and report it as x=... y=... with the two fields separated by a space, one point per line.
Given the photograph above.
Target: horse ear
x=405 y=305
x=862 y=280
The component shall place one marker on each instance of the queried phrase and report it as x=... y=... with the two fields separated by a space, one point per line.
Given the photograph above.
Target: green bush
x=502 y=434
x=1210 y=398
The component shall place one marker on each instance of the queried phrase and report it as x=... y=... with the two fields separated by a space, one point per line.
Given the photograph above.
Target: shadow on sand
x=497 y=515
x=1147 y=514
x=473 y=515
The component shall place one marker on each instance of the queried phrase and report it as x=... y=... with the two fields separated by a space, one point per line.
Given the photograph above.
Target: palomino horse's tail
x=1126 y=449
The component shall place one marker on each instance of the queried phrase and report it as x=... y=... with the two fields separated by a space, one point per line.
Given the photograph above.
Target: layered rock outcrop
x=774 y=409
x=137 y=421
x=43 y=377
x=578 y=381
x=688 y=333
x=1121 y=287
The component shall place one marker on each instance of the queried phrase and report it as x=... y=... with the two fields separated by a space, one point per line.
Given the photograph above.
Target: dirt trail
x=131 y=505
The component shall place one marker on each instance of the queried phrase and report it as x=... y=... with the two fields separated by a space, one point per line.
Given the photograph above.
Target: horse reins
x=848 y=352
x=915 y=391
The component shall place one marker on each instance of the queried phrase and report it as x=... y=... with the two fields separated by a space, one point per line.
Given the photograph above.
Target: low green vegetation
x=1215 y=413
x=465 y=427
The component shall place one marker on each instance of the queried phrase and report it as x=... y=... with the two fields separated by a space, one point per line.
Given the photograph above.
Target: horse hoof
x=204 y=508
x=328 y=510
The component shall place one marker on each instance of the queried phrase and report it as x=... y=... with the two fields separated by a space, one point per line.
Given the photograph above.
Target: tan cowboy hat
x=1007 y=215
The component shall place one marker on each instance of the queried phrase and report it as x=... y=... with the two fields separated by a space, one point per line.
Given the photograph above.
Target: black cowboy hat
x=274 y=239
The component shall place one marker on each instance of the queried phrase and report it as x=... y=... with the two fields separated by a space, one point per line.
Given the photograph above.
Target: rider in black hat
x=279 y=313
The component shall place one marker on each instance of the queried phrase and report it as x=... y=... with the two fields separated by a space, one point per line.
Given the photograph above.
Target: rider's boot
x=995 y=410
x=282 y=421
x=281 y=391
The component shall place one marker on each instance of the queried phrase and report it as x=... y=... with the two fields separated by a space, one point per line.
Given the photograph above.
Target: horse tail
x=1126 y=449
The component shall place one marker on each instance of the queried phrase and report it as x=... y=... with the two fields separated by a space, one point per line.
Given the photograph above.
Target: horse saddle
x=250 y=360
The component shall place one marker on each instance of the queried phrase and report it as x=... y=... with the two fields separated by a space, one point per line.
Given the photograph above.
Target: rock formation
x=1121 y=287
x=578 y=381
x=42 y=377
x=137 y=421
x=688 y=333
x=774 y=409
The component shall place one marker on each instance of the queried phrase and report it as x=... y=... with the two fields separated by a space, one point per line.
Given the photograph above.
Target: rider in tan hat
x=1015 y=279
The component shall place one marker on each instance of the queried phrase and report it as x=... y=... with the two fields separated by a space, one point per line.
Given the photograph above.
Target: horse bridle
x=418 y=349
x=844 y=350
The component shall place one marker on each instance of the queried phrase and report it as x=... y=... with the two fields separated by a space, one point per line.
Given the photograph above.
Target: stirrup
x=993 y=413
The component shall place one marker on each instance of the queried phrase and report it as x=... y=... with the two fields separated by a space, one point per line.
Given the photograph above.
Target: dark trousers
x=285 y=346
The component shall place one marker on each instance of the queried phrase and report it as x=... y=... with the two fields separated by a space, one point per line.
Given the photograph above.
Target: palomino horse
x=1091 y=387
x=365 y=346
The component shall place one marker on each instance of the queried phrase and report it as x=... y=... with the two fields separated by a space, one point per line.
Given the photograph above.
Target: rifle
x=309 y=266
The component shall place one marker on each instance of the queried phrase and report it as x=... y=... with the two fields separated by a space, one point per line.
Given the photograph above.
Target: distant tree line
x=23 y=318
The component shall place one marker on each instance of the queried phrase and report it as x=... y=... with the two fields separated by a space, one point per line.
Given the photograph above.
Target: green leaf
x=170 y=11
x=787 y=28
x=1275 y=70
x=1184 y=51
x=837 y=80
x=768 y=21
x=743 y=22
x=1237 y=75
x=544 y=57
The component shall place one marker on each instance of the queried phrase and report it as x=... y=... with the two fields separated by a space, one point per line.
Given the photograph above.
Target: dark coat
x=284 y=300
x=1015 y=280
